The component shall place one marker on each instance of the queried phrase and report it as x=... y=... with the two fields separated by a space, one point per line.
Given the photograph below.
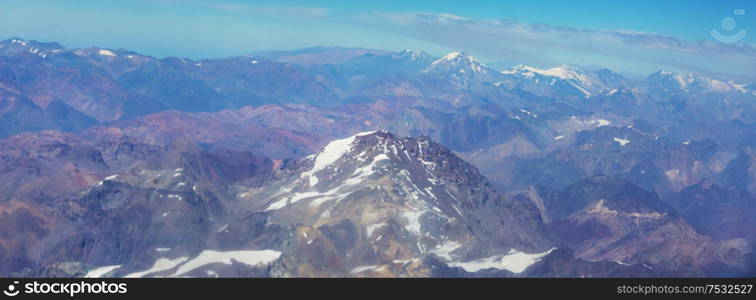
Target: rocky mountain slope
x=250 y=166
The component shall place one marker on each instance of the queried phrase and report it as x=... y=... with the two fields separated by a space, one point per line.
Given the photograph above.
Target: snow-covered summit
x=412 y=55
x=458 y=61
x=693 y=82
x=563 y=72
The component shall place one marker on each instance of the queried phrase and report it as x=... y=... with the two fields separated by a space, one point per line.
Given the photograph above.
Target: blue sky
x=633 y=37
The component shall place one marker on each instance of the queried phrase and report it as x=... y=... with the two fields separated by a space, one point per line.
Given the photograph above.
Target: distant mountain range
x=355 y=162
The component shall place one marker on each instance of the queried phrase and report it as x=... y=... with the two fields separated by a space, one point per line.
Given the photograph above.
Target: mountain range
x=354 y=162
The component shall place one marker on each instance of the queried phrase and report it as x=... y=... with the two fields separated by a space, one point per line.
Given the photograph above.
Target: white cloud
x=273 y=10
x=268 y=10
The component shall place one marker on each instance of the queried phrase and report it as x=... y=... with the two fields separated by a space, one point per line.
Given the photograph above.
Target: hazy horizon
x=630 y=38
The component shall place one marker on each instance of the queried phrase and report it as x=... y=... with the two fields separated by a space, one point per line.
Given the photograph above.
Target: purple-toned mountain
x=680 y=146
x=373 y=204
x=608 y=219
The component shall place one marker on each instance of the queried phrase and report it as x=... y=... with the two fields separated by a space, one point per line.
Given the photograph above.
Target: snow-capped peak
x=19 y=41
x=457 y=57
x=454 y=55
x=687 y=81
x=459 y=61
x=575 y=77
x=41 y=49
x=563 y=72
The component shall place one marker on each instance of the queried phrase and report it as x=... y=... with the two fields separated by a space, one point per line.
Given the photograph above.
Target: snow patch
x=105 y=52
x=371 y=228
x=21 y=42
x=413 y=221
x=363 y=172
x=515 y=262
x=622 y=263
x=162 y=264
x=278 y=204
x=366 y=268
x=248 y=257
x=651 y=215
x=600 y=208
x=331 y=153
x=99 y=272
x=622 y=142
x=602 y=122
x=445 y=249
x=580 y=88
x=174 y=196
x=529 y=113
